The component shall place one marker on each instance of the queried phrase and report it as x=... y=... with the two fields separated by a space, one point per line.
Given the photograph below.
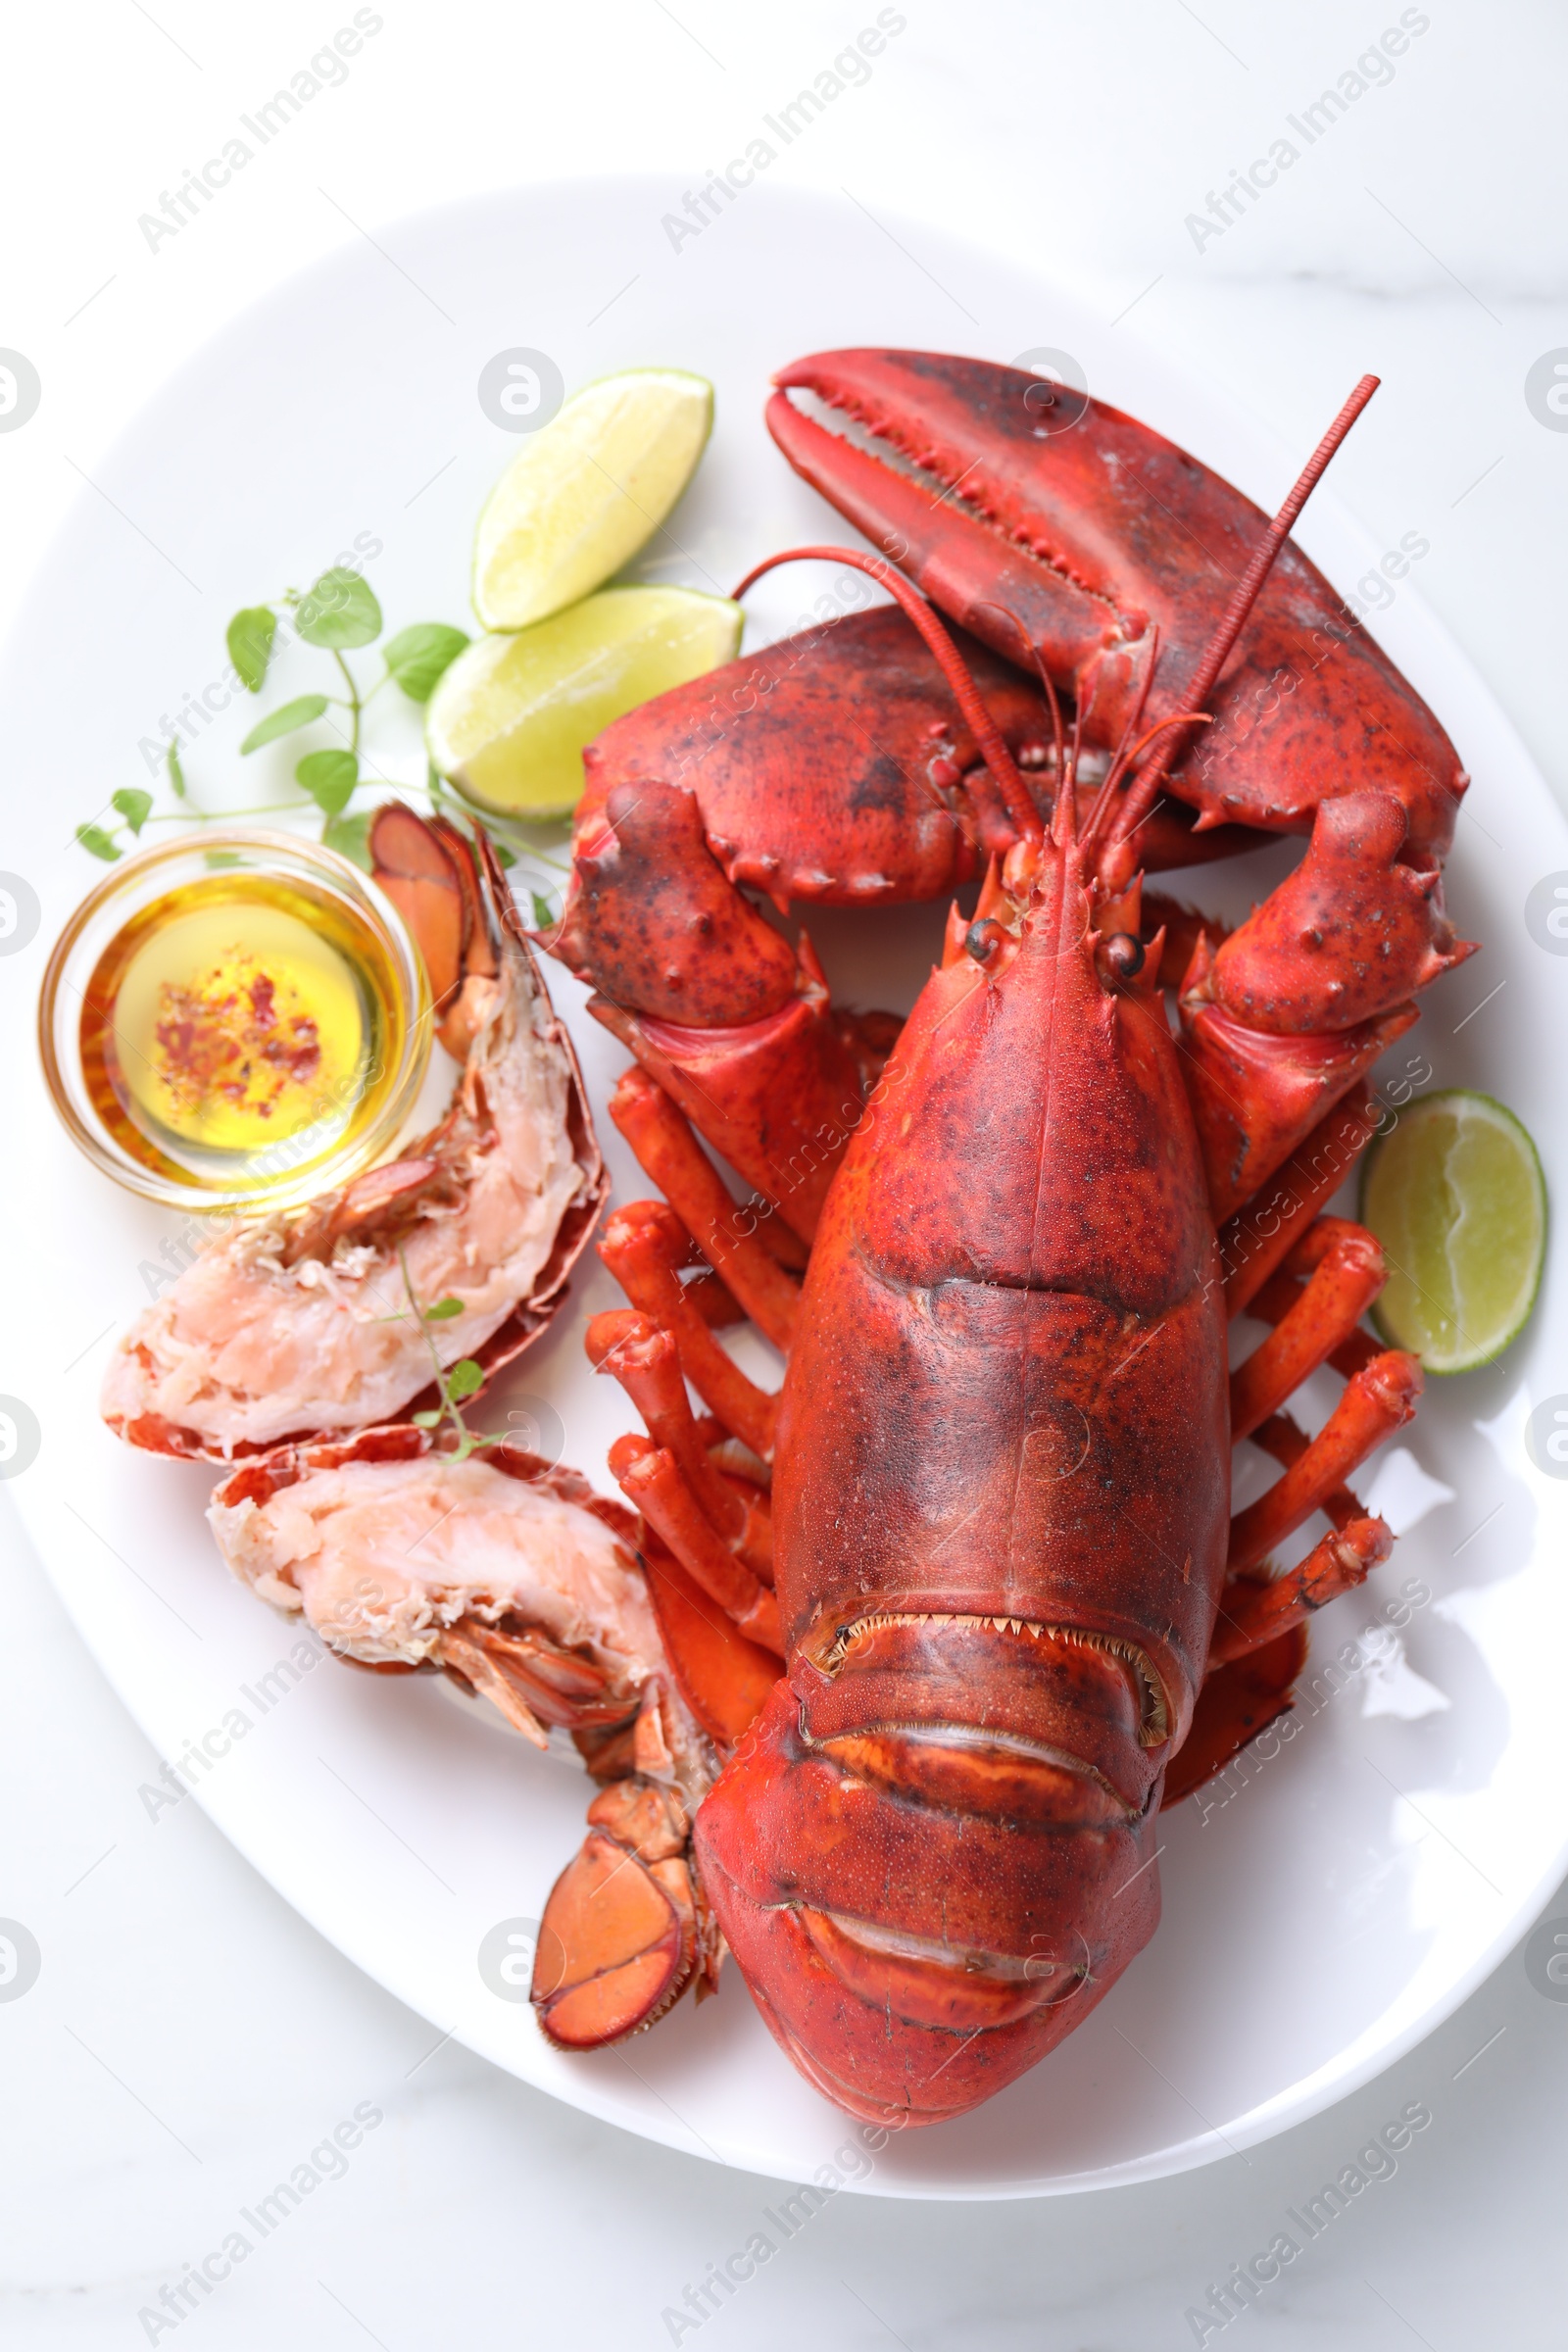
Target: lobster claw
x=1010 y=554
x=1052 y=524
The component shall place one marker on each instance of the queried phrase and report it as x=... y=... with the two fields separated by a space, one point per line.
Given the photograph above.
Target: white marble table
x=189 y=2041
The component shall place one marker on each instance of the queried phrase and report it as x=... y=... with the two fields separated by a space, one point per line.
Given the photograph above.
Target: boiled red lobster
x=1015 y=1611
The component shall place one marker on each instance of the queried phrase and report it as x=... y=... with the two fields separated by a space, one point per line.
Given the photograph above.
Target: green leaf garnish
x=544 y=914
x=94 y=838
x=339 y=611
x=133 y=805
x=330 y=778
x=284 y=719
x=350 y=836
x=417 y=656
x=250 y=643
x=503 y=856
x=176 y=774
x=464 y=1380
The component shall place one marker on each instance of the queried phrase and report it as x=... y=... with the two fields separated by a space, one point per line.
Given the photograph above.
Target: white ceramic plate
x=1360 y=1882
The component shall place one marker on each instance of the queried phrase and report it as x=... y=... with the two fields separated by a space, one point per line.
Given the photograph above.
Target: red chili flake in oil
x=229 y=1035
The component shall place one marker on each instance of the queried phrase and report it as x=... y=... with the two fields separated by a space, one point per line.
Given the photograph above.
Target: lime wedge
x=508 y=719
x=1456 y=1195
x=581 y=496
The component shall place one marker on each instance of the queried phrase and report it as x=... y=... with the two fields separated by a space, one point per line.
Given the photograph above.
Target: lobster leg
x=644 y=1358
x=1380 y=1399
x=653 y=1482
x=1281 y=1293
x=1287 y=1442
x=670 y=1154
x=1321 y=1286
x=642 y=1246
x=646 y=1362
x=1261 y=1235
x=1236 y=1702
x=724 y=1677
x=1252 y=1614
x=1348 y=1276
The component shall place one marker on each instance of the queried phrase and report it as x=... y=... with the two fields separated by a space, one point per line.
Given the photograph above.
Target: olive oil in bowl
x=251 y=1021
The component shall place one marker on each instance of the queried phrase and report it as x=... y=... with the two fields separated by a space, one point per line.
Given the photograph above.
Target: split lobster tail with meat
x=299 y=1324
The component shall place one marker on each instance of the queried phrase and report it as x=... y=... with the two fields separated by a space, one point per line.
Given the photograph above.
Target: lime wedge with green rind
x=1456 y=1195
x=582 y=495
x=508 y=721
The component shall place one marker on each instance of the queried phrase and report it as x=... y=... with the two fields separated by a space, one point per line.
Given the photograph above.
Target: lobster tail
x=1013 y=1870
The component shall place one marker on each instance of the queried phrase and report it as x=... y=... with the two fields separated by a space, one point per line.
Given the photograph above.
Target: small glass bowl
x=350 y=1134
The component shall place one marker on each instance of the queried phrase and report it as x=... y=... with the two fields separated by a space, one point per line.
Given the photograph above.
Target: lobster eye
x=1120 y=958
x=983 y=939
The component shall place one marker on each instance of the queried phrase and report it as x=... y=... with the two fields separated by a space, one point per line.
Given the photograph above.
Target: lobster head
x=1001 y=1498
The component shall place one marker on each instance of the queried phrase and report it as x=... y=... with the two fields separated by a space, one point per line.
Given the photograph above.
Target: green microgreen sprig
x=454 y=1383
x=339 y=613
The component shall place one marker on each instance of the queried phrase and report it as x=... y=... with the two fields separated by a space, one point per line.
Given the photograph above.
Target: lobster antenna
x=1140 y=793
x=987 y=734
x=1122 y=757
x=1038 y=654
x=1064 y=813
x=1177 y=718
x=1058 y=737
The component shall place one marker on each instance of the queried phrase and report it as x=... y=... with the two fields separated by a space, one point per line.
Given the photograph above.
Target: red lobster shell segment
x=1048 y=520
x=854 y=727
x=1002 y=1476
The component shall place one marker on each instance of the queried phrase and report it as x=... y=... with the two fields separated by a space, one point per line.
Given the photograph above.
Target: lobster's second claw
x=617 y=1943
x=1351 y=933
x=654 y=923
